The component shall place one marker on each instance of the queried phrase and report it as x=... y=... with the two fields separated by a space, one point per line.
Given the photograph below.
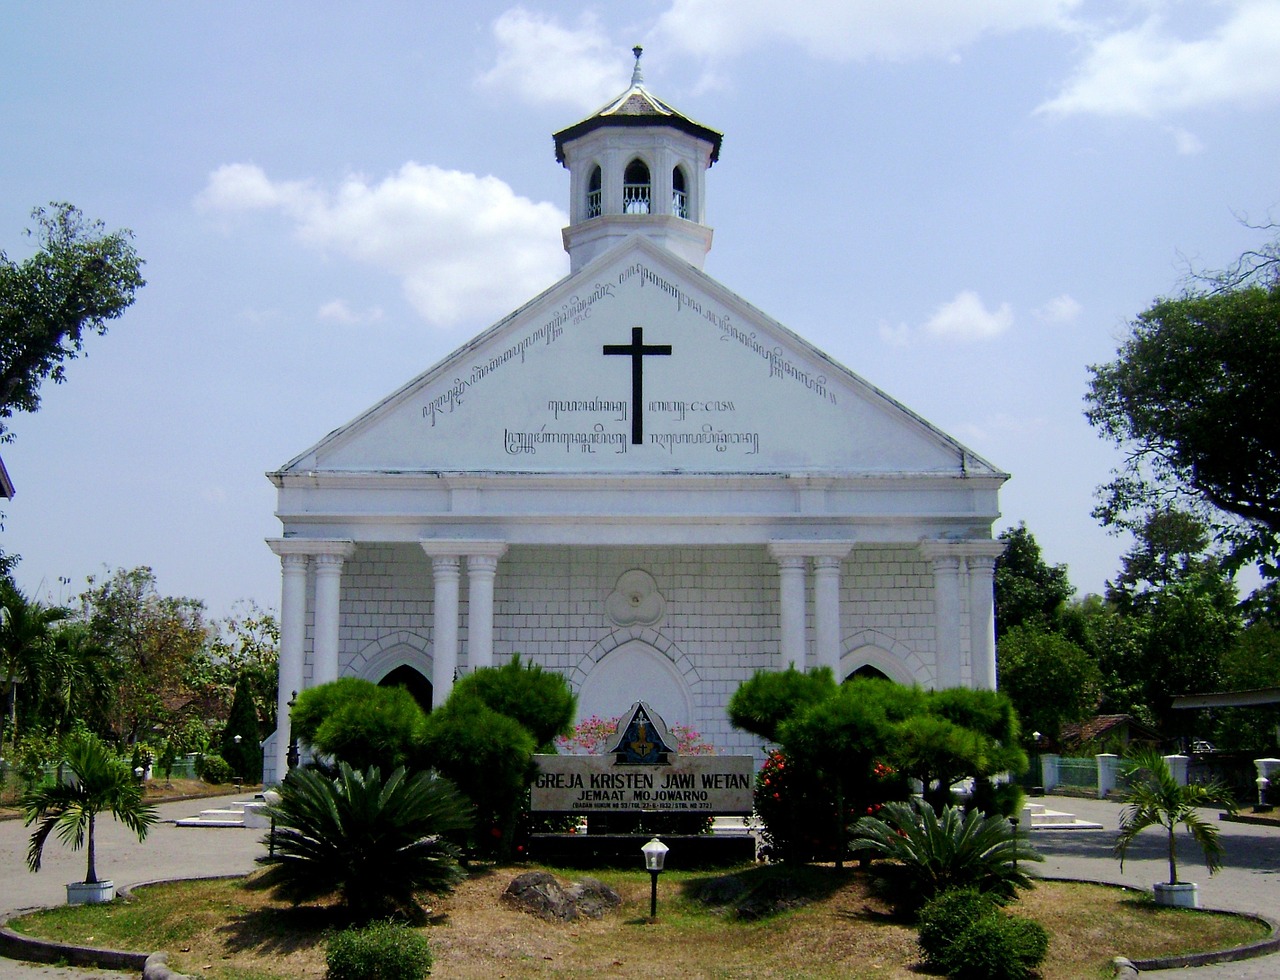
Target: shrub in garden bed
x=964 y=933
x=382 y=951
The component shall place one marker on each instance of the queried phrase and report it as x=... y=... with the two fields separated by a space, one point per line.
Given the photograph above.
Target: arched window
x=593 y=194
x=679 y=196
x=635 y=188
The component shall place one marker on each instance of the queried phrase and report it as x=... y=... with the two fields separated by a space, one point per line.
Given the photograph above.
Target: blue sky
x=963 y=203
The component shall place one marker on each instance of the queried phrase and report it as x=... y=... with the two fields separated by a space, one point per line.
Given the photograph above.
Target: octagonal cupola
x=637 y=167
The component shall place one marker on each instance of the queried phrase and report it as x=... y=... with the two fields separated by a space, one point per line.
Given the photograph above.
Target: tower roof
x=637 y=106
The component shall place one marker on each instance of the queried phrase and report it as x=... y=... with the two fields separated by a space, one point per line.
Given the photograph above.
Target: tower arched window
x=636 y=188
x=593 y=194
x=679 y=195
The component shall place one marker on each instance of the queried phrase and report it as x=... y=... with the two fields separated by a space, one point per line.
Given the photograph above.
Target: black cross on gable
x=637 y=350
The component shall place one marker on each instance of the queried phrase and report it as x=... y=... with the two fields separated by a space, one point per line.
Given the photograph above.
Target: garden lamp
x=655 y=855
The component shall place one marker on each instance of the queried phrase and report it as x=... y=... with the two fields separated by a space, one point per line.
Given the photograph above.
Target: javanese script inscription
x=574 y=310
x=780 y=365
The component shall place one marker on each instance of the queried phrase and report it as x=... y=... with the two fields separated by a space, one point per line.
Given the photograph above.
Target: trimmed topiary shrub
x=215 y=769
x=945 y=918
x=382 y=951
x=998 y=947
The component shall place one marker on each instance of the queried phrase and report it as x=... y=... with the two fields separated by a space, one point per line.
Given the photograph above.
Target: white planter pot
x=1183 y=895
x=85 y=893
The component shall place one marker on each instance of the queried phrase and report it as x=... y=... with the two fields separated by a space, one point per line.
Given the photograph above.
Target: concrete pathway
x=168 y=852
x=1250 y=882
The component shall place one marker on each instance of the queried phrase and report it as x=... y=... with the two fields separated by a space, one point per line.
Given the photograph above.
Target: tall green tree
x=1028 y=589
x=245 y=755
x=26 y=645
x=1191 y=399
x=152 y=638
x=1181 y=602
x=79 y=278
x=1252 y=662
x=1050 y=680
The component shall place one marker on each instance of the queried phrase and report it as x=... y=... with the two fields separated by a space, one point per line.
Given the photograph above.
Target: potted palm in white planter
x=1156 y=799
x=101 y=784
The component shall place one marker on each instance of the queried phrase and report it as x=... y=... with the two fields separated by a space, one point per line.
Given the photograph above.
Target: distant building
x=639 y=480
x=6 y=485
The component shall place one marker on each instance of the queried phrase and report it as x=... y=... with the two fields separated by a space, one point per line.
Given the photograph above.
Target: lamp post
x=655 y=855
x=1013 y=821
x=291 y=757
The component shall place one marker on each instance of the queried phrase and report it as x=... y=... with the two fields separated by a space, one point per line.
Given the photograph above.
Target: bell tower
x=637 y=167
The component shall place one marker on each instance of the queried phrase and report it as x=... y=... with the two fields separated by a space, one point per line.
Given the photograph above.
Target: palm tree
x=26 y=641
x=102 y=784
x=1157 y=799
x=371 y=842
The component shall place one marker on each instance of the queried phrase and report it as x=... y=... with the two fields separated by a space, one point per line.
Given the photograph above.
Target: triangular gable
x=639 y=363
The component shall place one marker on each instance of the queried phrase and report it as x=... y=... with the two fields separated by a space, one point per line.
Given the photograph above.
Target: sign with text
x=709 y=784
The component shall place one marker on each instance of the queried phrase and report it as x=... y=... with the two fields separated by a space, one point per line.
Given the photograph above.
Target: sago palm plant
x=101 y=783
x=1156 y=799
x=369 y=841
x=937 y=852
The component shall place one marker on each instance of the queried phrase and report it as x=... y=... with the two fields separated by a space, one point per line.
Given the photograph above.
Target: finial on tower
x=637 y=76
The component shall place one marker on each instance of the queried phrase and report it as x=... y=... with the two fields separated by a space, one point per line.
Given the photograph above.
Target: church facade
x=638 y=480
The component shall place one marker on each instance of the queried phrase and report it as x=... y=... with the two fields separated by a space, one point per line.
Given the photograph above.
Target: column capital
x=466 y=547
x=810 y=549
x=971 y=549
x=312 y=547
x=482 y=563
x=443 y=565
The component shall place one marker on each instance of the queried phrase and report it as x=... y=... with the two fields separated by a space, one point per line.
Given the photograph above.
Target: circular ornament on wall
x=635 y=600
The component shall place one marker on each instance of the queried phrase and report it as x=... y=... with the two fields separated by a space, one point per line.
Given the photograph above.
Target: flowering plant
x=799 y=811
x=592 y=735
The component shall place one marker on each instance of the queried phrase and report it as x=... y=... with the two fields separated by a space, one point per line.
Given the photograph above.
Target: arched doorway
x=635 y=671
x=866 y=670
x=413 y=682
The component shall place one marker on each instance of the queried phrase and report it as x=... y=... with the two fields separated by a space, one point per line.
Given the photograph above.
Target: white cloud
x=895 y=336
x=1188 y=143
x=850 y=30
x=463 y=246
x=543 y=63
x=1060 y=309
x=965 y=319
x=338 y=311
x=1147 y=71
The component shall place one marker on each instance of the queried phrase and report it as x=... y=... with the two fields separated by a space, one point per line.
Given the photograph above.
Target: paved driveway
x=1250 y=882
x=168 y=852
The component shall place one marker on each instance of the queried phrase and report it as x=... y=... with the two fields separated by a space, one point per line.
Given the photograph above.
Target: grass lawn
x=228 y=931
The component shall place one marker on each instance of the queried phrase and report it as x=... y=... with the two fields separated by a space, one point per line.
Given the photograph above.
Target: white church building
x=638 y=480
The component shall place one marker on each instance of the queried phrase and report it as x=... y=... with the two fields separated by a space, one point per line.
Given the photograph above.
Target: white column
x=293 y=629
x=481 y=569
x=946 y=611
x=324 y=663
x=982 y=620
x=826 y=613
x=445 y=571
x=790 y=556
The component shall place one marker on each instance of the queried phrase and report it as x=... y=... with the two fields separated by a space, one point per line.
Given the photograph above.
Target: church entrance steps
x=1042 y=818
x=242 y=813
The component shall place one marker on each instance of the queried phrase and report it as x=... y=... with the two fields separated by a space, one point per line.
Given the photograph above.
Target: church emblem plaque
x=643 y=772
